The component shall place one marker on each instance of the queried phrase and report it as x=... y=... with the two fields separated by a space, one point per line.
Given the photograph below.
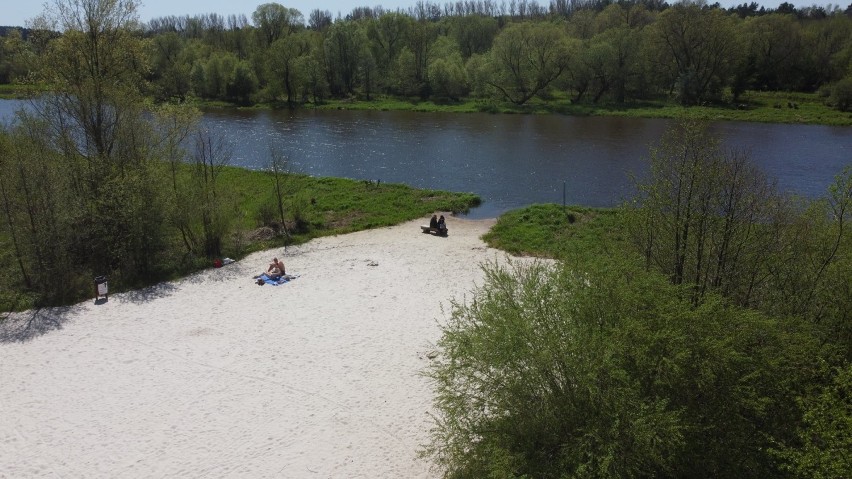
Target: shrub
x=608 y=371
x=266 y=213
x=841 y=94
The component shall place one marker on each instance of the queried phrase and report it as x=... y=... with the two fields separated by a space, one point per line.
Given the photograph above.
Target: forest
x=691 y=53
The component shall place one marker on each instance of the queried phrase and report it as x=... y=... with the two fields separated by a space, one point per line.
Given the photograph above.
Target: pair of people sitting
x=438 y=224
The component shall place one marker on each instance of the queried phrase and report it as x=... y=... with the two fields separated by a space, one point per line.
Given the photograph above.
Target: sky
x=16 y=12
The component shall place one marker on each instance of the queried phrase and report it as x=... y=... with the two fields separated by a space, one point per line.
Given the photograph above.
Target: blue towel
x=275 y=282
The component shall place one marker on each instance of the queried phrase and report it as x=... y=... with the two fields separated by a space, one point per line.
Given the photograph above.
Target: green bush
x=827 y=438
x=841 y=94
x=608 y=371
x=266 y=213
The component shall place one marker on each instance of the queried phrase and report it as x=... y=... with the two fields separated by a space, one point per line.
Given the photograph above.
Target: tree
x=613 y=16
x=775 y=44
x=242 y=82
x=447 y=76
x=16 y=57
x=787 y=8
x=625 y=70
x=170 y=73
x=841 y=94
x=474 y=33
x=203 y=205
x=526 y=58
x=274 y=21
x=319 y=20
x=828 y=51
x=343 y=47
x=34 y=192
x=218 y=75
x=388 y=35
x=711 y=221
x=279 y=173
x=313 y=67
x=404 y=79
x=97 y=69
x=695 y=217
x=420 y=39
x=531 y=383
x=812 y=257
x=83 y=187
x=701 y=48
x=283 y=62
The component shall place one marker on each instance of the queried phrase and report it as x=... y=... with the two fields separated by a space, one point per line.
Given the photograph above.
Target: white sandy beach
x=214 y=376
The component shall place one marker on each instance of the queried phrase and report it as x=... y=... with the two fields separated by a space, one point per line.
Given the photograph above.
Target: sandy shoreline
x=214 y=376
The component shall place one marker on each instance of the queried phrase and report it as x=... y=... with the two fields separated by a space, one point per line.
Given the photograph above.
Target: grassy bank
x=766 y=107
x=19 y=92
x=330 y=206
x=549 y=231
x=313 y=207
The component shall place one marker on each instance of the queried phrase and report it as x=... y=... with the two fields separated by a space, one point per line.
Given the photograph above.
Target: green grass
x=339 y=205
x=18 y=92
x=549 y=231
x=766 y=107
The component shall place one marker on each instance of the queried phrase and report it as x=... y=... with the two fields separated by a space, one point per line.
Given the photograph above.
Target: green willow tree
x=285 y=65
x=170 y=74
x=447 y=75
x=526 y=58
x=774 y=51
x=698 y=48
x=388 y=35
x=343 y=49
x=275 y=21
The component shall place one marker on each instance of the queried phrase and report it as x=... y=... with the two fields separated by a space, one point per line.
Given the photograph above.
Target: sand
x=215 y=376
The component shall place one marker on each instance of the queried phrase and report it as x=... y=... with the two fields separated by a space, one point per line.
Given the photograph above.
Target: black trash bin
x=101 y=287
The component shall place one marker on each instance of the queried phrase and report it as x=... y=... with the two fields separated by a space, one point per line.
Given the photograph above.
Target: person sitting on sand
x=275 y=269
x=442 y=225
x=433 y=223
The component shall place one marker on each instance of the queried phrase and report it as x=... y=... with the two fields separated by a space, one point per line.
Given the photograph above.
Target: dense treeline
x=590 y=51
x=705 y=333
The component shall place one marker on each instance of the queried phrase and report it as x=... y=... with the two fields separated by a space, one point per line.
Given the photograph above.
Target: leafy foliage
x=603 y=370
x=620 y=54
x=826 y=434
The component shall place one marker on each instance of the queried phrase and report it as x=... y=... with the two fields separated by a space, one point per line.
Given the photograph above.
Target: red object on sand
x=217 y=263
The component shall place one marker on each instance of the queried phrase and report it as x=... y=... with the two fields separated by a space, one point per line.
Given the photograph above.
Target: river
x=509 y=160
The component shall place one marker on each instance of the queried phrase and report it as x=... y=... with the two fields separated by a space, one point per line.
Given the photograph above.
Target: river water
x=509 y=160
